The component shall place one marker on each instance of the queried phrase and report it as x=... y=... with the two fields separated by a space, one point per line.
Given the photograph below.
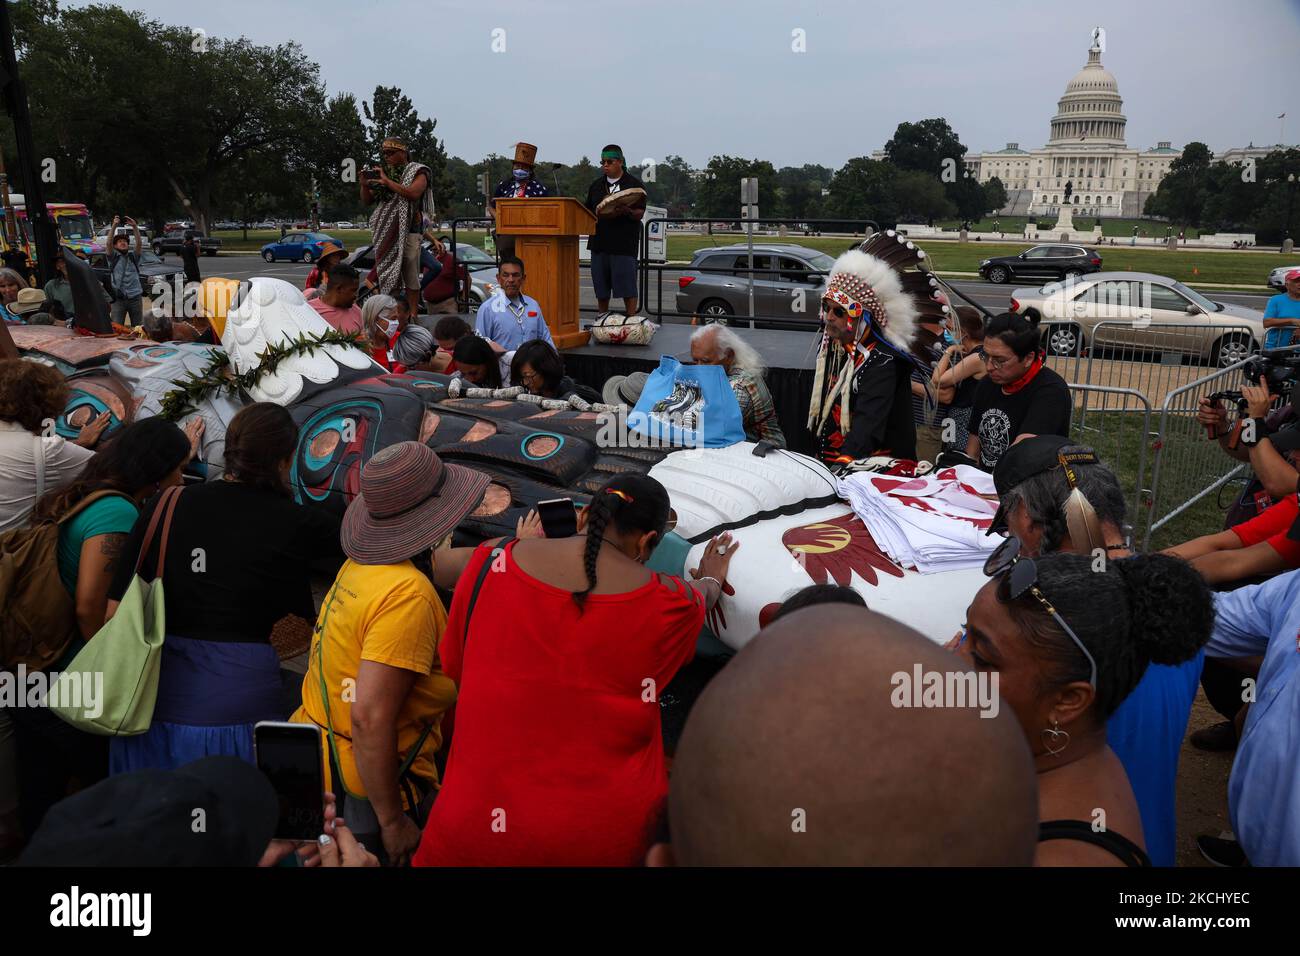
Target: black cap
x=1023 y=461
x=219 y=811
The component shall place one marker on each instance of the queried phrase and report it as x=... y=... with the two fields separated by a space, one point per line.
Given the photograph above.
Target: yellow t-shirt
x=390 y=614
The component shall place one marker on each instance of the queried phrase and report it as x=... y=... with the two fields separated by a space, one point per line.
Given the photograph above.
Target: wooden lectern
x=548 y=229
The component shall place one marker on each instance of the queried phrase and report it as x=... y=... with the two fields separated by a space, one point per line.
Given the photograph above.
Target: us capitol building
x=1088 y=151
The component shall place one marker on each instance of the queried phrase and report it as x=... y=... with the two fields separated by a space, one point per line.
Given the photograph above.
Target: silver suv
x=788 y=280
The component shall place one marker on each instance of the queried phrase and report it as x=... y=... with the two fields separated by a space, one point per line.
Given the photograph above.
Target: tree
x=1181 y=195
x=337 y=156
x=139 y=110
x=800 y=190
x=924 y=146
x=995 y=195
x=718 y=191
x=864 y=189
x=673 y=186
x=920 y=197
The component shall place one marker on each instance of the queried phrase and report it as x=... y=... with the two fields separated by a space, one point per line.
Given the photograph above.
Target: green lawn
x=1189 y=464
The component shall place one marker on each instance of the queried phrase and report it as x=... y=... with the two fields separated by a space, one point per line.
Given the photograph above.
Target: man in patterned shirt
x=520 y=185
x=718 y=345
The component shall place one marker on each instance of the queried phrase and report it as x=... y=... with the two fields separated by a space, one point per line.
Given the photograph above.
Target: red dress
x=558 y=756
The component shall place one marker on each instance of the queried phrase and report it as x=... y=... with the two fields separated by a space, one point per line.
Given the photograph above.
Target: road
x=994 y=298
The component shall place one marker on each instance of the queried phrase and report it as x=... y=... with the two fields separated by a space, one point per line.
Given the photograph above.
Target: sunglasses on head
x=1018 y=576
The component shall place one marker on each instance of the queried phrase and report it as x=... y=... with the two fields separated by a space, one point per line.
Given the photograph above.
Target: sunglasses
x=1019 y=576
x=836 y=310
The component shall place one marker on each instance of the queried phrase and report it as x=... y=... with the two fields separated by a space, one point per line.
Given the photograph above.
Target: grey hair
x=745 y=355
x=14 y=276
x=373 y=306
x=1044 y=496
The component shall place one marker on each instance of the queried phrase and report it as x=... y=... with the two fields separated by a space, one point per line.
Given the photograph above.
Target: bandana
x=1025 y=379
x=610 y=154
x=394 y=142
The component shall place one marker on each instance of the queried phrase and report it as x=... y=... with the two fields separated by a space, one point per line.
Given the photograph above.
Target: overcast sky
x=701 y=77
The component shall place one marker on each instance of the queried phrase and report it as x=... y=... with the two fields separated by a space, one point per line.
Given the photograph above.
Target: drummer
x=522 y=184
x=618 y=231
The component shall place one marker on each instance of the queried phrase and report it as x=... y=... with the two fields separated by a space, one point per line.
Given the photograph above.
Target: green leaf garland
x=218 y=377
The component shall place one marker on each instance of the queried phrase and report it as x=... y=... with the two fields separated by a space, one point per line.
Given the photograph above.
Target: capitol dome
x=1091 y=111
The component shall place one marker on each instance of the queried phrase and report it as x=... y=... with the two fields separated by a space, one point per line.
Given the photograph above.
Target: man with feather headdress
x=861 y=403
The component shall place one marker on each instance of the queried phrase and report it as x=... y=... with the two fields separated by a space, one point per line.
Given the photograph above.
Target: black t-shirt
x=616 y=235
x=1040 y=408
x=254 y=567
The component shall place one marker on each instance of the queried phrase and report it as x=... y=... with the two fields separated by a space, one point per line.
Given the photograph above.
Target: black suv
x=173 y=241
x=1057 y=261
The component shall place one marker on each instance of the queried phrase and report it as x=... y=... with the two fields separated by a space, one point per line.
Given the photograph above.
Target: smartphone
x=369 y=174
x=559 y=520
x=291 y=756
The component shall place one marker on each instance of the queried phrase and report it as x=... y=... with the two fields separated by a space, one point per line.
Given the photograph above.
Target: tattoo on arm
x=110 y=546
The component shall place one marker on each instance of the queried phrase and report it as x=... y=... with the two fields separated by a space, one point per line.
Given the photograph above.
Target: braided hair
x=1158 y=610
x=628 y=502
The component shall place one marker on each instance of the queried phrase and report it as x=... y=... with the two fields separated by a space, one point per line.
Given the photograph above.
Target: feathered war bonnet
x=887 y=282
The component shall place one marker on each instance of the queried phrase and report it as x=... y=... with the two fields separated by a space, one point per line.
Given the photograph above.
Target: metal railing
x=1120 y=432
x=1188 y=465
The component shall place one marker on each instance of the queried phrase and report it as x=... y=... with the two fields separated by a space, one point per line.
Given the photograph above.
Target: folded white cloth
x=933 y=523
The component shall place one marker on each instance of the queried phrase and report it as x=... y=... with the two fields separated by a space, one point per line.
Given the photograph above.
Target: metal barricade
x=1187 y=465
x=1119 y=430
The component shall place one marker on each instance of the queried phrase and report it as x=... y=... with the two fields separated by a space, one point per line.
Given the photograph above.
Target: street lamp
x=1290 y=201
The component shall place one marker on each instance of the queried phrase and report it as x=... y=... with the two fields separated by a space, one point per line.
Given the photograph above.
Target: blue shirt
x=124 y=274
x=1280 y=307
x=511 y=324
x=1146 y=732
x=1264 y=789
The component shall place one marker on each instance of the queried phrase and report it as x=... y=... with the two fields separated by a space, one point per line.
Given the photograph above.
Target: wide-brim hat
x=29 y=300
x=624 y=389
x=526 y=153
x=329 y=249
x=410 y=500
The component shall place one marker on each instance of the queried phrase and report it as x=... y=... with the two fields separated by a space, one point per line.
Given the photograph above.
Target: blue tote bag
x=688 y=405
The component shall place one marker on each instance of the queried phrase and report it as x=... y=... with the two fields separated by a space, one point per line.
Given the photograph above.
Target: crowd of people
x=499 y=704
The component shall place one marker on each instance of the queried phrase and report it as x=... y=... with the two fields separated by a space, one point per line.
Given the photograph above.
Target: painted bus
x=76 y=229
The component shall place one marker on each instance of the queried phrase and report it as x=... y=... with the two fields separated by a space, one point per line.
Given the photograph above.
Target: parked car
x=1135 y=306
x=297 y=247
x=346 y=224
x=1275 y=277
x=787 y=281
x=477 y=269
x=226 y=225
x=266 y=224
x=173 y=242
x=1053 y=261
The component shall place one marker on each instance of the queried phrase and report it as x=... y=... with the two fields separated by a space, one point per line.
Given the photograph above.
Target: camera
x=1279 y=368
x=370 y=174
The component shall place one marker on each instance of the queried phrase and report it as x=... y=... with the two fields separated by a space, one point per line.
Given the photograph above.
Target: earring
x=1052 y=735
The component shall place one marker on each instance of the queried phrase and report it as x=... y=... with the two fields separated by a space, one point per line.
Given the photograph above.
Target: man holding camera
x=124 y=274
x=404 y=201
x=1264 y=441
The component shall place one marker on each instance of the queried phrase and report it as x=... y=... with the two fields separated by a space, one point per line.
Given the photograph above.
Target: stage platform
x=789 y=357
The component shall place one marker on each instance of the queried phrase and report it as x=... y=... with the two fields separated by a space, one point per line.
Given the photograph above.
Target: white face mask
x=388 y=326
